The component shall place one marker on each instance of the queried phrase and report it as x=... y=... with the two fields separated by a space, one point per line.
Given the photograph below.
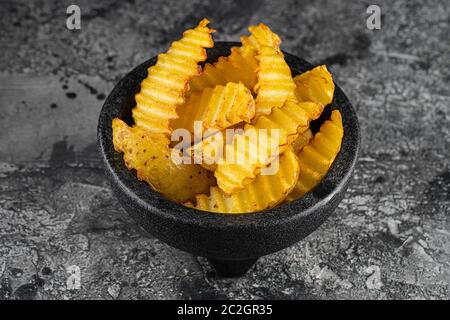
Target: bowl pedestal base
x=232 y=268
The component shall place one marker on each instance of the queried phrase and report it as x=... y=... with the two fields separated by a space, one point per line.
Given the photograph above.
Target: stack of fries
x=250 y=97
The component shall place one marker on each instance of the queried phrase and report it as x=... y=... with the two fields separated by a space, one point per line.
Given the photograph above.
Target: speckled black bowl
x=231 y=242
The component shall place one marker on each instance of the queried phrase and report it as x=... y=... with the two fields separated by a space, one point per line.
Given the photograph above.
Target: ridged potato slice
x=289 y=121
x=316 y=158
x=265 y=192
x=274 y=81
x=165 y=86
x=218 y=108
x=241 y=64
x=148 y=153
x=315 y=85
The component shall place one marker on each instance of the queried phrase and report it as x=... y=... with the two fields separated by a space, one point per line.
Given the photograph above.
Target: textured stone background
x=389 y=238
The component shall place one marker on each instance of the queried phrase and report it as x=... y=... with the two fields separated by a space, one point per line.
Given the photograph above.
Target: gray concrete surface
x=389 y=238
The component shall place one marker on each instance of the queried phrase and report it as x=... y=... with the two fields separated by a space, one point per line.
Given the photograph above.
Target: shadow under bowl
x=232 y=242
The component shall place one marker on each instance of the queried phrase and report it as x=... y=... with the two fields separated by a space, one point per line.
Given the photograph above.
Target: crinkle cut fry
x=241 y=64
x=277 y=109
x=275 y=84
x=316 y=158
x=315 y=85
x=261 y=35
x=167 y=81
x=290 y=120
x=148 y=153
x=211 y=148
x=265 y=192
x=217 y=108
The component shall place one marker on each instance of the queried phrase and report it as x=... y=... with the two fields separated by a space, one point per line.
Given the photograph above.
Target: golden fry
x=275 y=84
x=316 y=158
x=208 y=150
x=288 y=121
x=265 y=192
x=316 y=85
x=218 y=108
x=261 y=35
x=167 y=81
x=252 y=90
x=291 y=119
x=149 y=155
x=244 y=157
x=240 y=65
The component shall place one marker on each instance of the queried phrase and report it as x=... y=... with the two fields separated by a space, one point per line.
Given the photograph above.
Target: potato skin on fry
x=301 y=140
x=165 y=86
x=149 y=155
x=265 y=192
x=316 y=158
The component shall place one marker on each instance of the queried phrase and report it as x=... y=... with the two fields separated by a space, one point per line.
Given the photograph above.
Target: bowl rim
x=155 y=203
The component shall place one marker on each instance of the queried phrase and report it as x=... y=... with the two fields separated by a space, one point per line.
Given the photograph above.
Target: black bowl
x=231 y=242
